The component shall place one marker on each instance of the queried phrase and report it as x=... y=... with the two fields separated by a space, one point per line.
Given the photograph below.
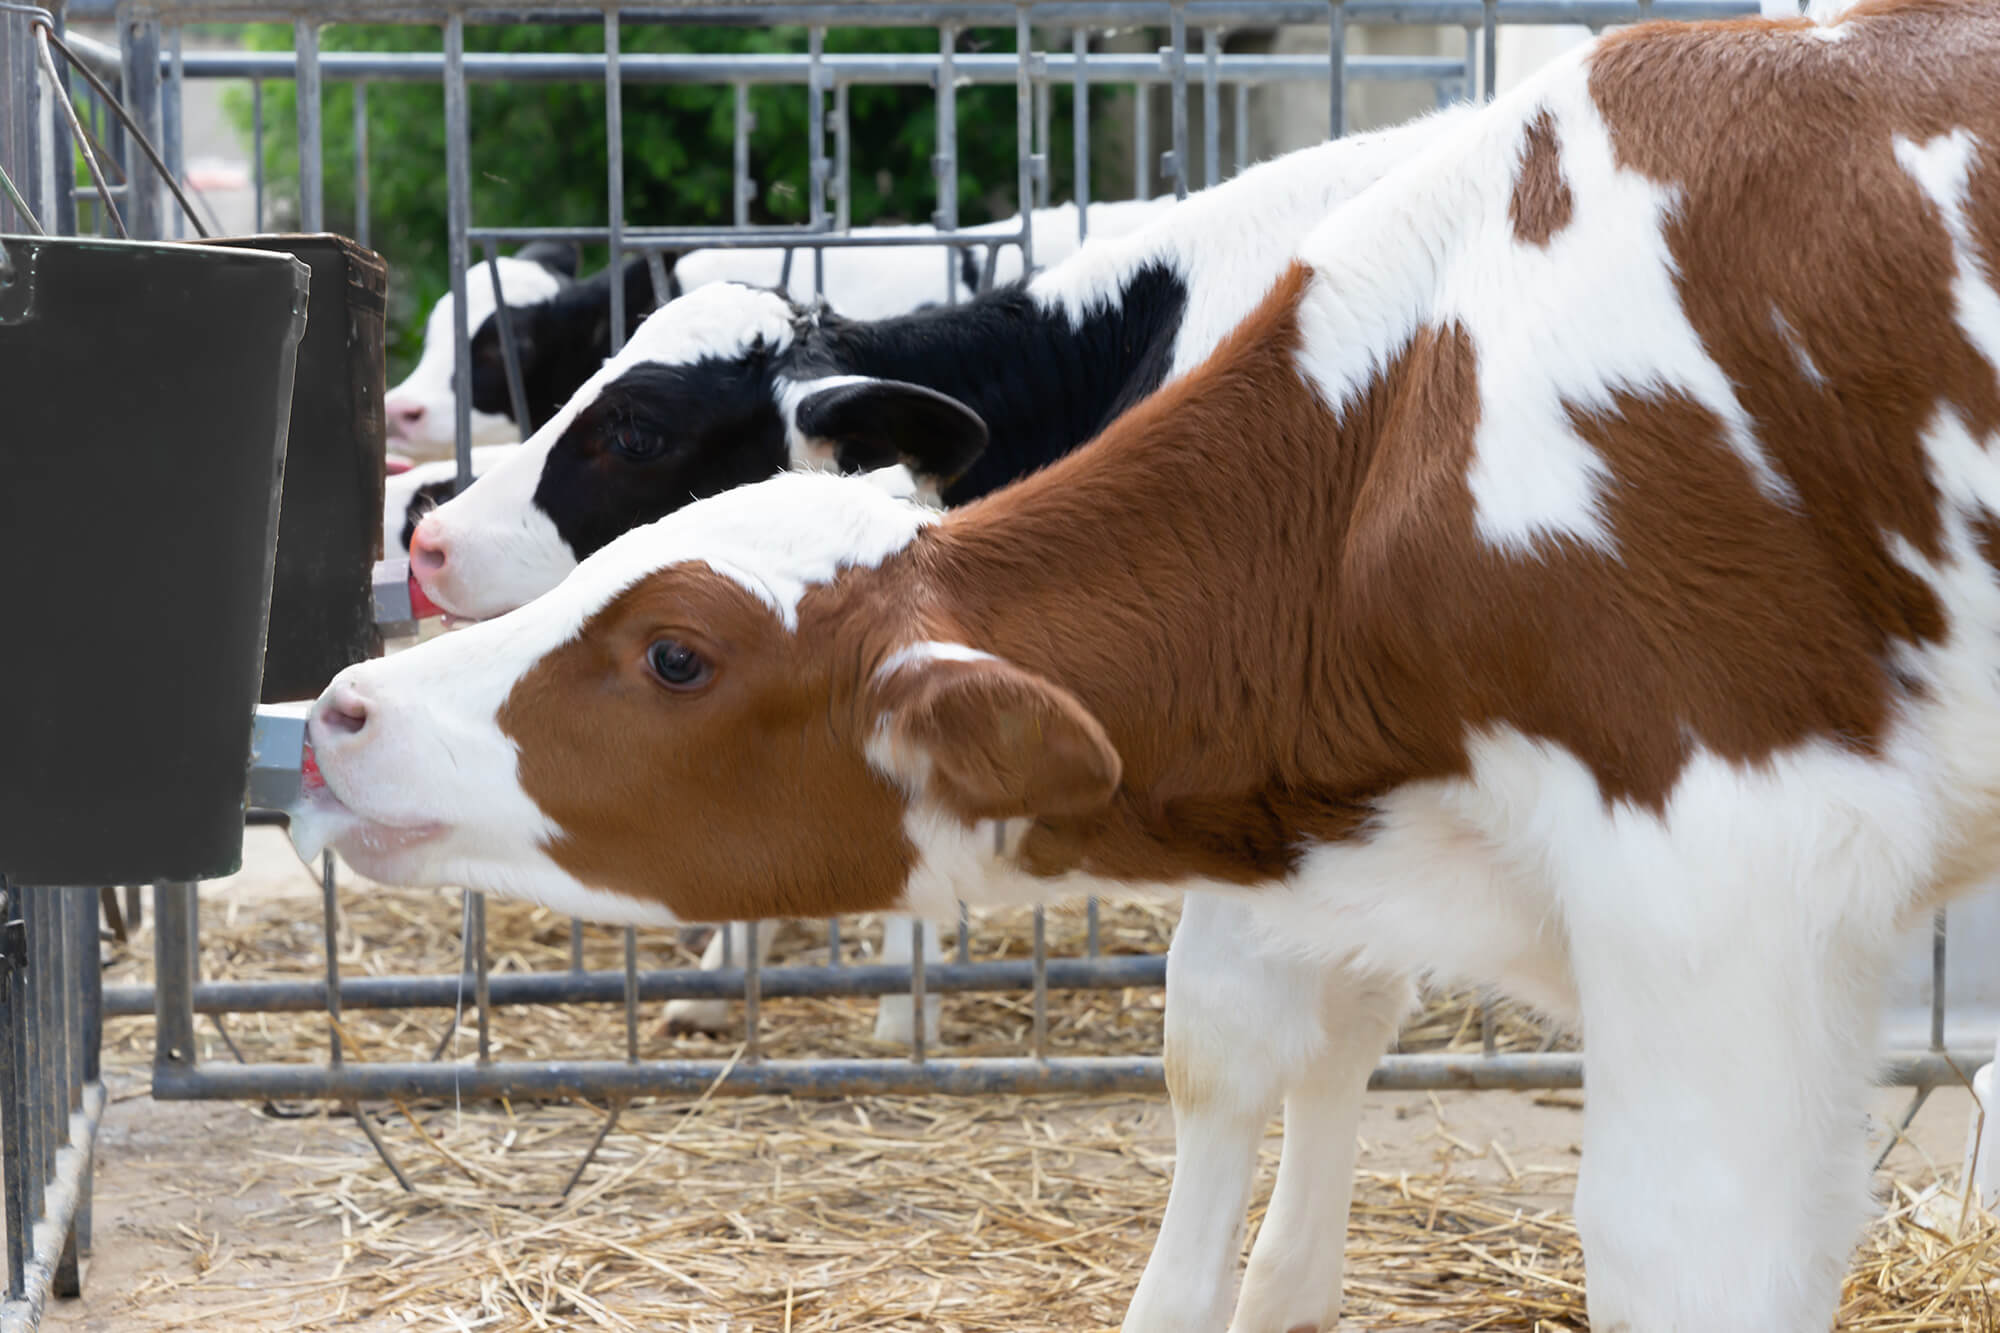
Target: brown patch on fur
x=741 y=800
x=1541 y=204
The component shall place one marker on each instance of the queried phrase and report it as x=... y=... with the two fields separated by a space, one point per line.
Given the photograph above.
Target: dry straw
x=720 y=1215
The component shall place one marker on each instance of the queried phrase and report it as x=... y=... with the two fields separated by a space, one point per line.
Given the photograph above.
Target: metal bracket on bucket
x=277 y=755
x=400 y=602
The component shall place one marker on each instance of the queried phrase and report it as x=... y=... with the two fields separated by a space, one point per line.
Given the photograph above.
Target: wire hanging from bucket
x=43 y=22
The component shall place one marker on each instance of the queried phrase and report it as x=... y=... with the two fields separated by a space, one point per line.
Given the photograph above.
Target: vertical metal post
x=14 y=1162
x=329 y=911
x=614 y=172
x=631 y=995
x=944 y=166
x=1241 y=158
x=361 y=162
x=141 y=44
x=1211 y=106
x=482 y=995
x=1041 y=984
x=753 y=991
x=1176 y=162
x=172 y=134
x=1024 y=135
x=32 y=1124
x=817 y=166
x=1044 y=134
x=173 y=977
x=1090 y=926
x=29 y=78
x=964 y=934
x=575 y=945
x=65 y=222
x=843 y=161
x=257 y=153
x=458 y=220
x=1938 y=980
x=916 y=991
x=1142 y=141
x=1079 y=48
x=744 y=189
x=1489 y=56
x=1336 y=69
x=312 y=175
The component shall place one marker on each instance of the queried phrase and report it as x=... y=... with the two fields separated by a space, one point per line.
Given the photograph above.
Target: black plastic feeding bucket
x=145 y=391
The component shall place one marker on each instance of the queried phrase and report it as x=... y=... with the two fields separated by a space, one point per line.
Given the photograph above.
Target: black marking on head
x=1041 y=385
x=968 y=269
x=879 y=423
x=422 y=500
x=660 y=437
x=560 y=342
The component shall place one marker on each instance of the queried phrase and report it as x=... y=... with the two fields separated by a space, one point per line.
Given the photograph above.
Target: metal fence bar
x=944 y=166
x=918 y=990
x=929 y=13
x=1211 y=107
x=522 y=1080
x=1176 y=167
x=458 y=221
x=1080 y=129
x=330 y=925
x=312 y=172
x=1024 y=133
x=1110 y=972
x=361 y=162
x=743 y=188
x=1336 y=68
x=257 y=154
x=817 y=166
x=902 y=69
x=62 y=144
x=171 y=130
x=614 y=169
x=16 y=1147
x=140 y=41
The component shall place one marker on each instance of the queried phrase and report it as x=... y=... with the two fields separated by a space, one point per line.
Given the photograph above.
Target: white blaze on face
x=427 y=789
x=421 y=411
x=501 y=548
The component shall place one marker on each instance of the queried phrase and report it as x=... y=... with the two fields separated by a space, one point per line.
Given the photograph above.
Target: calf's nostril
x=426 y=551
x=343 y=712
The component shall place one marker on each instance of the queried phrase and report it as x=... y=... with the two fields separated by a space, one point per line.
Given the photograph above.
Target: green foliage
x=538 y=148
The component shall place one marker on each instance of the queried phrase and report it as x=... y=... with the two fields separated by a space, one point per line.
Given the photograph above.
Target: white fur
x=428 y=386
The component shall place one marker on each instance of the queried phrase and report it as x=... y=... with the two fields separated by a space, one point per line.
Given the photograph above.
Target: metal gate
x=1053 y=51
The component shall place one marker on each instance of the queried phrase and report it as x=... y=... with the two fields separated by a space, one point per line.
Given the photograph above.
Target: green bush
x=538 y=149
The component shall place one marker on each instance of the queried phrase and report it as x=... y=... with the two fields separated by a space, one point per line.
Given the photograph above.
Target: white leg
x=1724 y=1172
x=893 y=1012
x=1244 y=1021
x=717 y=1018
x=1292 y=1284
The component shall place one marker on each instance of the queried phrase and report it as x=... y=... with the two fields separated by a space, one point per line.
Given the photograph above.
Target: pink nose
x=427 y=550
x=404 y=417
x=341 y=712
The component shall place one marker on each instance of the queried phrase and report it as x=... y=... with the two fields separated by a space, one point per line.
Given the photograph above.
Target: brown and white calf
x=1581 y=575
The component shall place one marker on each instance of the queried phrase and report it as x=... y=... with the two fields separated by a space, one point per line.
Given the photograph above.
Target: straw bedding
x=973 y=1216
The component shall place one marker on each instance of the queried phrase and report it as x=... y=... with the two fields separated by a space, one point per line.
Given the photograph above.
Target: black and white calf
x=730 y=384
x=562 y=324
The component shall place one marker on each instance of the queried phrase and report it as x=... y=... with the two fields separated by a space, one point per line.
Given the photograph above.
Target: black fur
x=662 y=436
x=879 y=423
x=656 y=438
x=422 y=500
x=561 y=342
x=1041 y=386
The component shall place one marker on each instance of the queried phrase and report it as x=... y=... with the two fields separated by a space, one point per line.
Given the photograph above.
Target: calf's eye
x=678 y=666
x=636 y=444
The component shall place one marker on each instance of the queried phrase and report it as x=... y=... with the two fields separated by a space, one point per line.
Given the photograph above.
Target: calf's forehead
x=776 y=539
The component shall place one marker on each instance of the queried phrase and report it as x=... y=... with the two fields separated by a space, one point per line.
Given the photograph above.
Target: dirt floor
x=729 y=1215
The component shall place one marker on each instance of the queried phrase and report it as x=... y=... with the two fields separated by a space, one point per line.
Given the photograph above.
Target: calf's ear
x=558 y=257
x=986 y=740
x=873 y=424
